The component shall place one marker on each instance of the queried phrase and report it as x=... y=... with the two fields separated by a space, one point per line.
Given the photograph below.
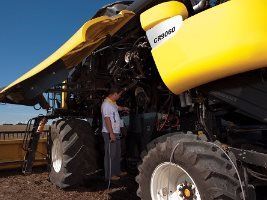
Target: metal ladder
x=30 y=143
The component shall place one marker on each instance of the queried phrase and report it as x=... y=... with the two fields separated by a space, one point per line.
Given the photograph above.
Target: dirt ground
x=15 y=185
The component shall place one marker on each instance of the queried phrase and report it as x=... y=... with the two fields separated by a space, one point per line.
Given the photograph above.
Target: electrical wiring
x=257 y=175
x=169 y=109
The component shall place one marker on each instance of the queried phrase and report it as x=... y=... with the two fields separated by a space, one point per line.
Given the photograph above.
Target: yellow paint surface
x=11 y=151
x=222 y=41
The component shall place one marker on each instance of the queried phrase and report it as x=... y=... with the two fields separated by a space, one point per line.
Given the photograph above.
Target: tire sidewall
x=56 y=177
x=204 y=163
x=160 y=159
x=80 y=152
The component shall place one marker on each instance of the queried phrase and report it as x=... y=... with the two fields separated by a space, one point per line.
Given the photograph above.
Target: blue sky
x=29 y=32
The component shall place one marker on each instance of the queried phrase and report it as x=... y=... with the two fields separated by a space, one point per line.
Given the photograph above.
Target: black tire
x=213 y=173
x=79 y=150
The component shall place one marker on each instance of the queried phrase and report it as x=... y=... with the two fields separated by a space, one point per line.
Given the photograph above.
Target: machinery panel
x=222 y=41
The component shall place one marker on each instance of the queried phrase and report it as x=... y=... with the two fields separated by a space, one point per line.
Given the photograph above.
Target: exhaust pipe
x=200 y=6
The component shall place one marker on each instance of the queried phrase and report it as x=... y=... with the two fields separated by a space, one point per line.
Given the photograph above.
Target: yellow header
x=81 y=44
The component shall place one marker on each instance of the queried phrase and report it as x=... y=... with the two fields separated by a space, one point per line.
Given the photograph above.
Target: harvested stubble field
x=16 y=186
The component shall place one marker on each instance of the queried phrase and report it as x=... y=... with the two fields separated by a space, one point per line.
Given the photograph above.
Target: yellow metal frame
x=12 y=154
x=228 y=39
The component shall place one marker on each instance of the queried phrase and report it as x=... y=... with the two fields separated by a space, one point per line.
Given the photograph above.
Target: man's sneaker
x=115 y=178
x=123 y=174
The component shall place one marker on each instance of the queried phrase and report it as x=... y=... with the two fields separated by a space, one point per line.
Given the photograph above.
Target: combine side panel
x=12 y=154
x=222 y=41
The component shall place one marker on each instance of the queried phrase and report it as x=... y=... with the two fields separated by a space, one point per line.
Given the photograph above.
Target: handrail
x=27 y=135
x=9 y=135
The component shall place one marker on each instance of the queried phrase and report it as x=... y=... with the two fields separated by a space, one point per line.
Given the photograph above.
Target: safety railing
x=13 y=135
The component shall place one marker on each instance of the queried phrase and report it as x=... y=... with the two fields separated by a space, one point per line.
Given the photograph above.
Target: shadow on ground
x=125 y=188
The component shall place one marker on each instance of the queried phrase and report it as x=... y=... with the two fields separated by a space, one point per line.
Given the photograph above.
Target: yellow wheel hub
x=187 y=193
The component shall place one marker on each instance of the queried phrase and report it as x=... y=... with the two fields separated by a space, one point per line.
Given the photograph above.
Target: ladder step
x=31 y=147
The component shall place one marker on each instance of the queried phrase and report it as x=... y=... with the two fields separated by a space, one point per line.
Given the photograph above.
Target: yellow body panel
x=222 y=41
x=12 y=154
x=160 y=13
x=81 y=44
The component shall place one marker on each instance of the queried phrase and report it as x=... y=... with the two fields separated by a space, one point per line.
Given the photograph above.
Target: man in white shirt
x=111 y=134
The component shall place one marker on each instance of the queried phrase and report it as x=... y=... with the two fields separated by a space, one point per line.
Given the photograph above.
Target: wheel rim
x=170 y=181
x=57 y=155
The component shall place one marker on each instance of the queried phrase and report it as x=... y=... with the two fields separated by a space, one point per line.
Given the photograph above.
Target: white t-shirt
x=110 y=109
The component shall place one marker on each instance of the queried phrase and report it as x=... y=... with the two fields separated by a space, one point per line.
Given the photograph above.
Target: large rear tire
x=199 y=170
x=75 y=152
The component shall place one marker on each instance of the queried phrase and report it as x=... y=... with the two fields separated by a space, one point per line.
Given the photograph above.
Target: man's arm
x=120 y=108
x=109 y=128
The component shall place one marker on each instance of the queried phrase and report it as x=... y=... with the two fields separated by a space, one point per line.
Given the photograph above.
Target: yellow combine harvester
x=193 y=73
